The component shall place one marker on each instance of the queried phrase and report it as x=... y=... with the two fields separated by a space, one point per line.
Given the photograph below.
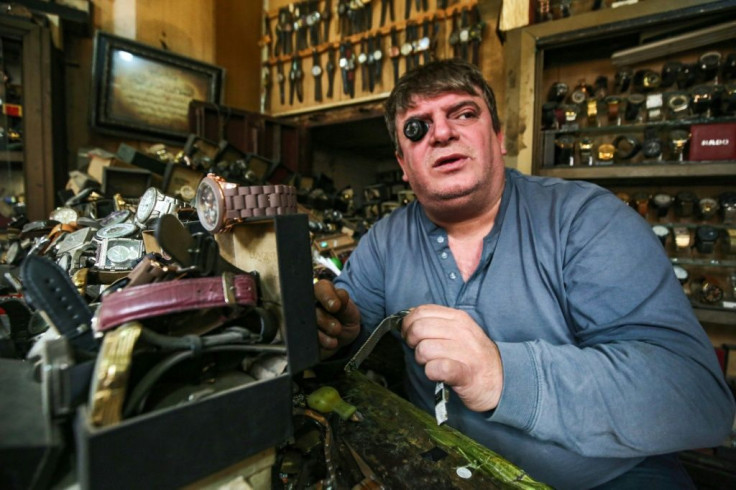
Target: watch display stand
x=173 y=447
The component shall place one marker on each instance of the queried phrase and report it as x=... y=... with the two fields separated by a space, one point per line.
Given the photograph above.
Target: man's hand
x=454 y=349
x=338 y=318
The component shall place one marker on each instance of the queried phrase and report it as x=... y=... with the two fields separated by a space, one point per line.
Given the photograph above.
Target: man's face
x=457 y=165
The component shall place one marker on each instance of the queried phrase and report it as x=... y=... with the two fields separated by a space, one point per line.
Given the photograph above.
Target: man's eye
x=467 y=115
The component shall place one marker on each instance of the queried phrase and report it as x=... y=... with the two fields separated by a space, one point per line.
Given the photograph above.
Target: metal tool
x=370 y=480
x=391 y=322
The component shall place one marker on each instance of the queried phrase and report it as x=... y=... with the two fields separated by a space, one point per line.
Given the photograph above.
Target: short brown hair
x=436 y=78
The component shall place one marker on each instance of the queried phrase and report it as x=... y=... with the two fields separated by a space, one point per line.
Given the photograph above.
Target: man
x=548 y=306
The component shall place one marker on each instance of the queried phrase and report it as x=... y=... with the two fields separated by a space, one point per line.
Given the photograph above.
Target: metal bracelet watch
x=222 y=204
x=119 y=254
x=678 y=142
x=153 y=204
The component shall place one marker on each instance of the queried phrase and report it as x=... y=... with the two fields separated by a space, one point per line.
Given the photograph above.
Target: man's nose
x=441 y=131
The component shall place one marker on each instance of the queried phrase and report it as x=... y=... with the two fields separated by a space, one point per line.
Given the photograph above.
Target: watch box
x=176 y=446
x=713 y=142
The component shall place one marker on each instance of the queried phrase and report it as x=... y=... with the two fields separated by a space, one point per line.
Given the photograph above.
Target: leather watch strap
x=152 y=300
x=317 y=74
x=331 y=71
x=395 y=53
x=49 y=289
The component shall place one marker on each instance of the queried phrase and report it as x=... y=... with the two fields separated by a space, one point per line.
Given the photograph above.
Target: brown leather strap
x=152 y=300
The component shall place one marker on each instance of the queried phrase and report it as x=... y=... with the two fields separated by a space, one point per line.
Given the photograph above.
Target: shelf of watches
x=698 y=244
x=603 y=117
x=701 y=84
x=670 y=147
x=340 y=32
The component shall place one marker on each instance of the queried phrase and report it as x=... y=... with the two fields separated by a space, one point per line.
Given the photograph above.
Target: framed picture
x=144 y=93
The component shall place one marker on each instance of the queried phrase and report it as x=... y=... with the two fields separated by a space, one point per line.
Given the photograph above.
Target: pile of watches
x=636 y=105
x=698 y=233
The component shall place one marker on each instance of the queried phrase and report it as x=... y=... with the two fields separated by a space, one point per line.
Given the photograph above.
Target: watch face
x=117 y=230
x=662 y=200
x=680 y=273
x=64 y=215
x=660 y=231
x=115 y=217
x=209 y=204
x=119 y=253
x=146 y=204
x=707 y=233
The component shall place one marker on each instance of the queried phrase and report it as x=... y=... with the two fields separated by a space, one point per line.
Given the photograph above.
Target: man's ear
x=501 y=141
x=400 y=159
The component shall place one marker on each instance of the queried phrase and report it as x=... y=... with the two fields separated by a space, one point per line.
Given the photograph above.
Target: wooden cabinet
x=33 y=157
x=628 y=98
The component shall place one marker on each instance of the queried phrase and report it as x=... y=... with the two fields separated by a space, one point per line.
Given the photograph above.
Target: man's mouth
x=448 y=160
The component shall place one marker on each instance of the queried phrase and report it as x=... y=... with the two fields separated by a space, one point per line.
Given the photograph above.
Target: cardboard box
x=174 y=447
x=711 y=142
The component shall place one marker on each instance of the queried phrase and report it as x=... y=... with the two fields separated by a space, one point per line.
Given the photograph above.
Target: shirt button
x=452 y=275
x=440 y=239
x=444 y=255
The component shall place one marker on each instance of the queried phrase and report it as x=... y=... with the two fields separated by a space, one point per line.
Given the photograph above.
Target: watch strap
x=259 y=200
x=49 y=289
x=152 y=300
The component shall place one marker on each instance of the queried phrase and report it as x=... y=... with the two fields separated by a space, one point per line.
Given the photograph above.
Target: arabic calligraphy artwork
x=143 y=92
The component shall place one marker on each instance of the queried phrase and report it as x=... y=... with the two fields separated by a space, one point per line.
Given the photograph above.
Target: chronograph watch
x=221 y=204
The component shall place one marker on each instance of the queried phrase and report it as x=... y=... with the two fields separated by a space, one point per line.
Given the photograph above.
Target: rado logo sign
x=712 y=142
x=715 y=142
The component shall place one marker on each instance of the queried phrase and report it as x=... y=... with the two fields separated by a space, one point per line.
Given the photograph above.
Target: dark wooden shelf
x=643 y=170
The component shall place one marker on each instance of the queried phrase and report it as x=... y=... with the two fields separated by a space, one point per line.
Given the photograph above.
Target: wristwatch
x=64 y=214
x=585 y=148
x=669 y=73
x=705 y=239
x=557 y=92
x=641 y=203
x=564 y=150
x=685 y=203
x=682 y=237
x=622 y=80
x=121 y=230
x=709 y=292
x=627 y=147
x=119 y=254
x=662 y=203
x=634 y=103
x=651 y=148
x=708 y=65
x=707 y=207
x=613 y=102
x=606 y=151
x=681 y=273
x=729 y=245
x=153 y=204
x=662 y=233
x=653 y=106
x=156 y=299
x=222 y=204
x=702 y=100
x=48 y=288
x=678 y=104
x=678 y=142
x=728 y=206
